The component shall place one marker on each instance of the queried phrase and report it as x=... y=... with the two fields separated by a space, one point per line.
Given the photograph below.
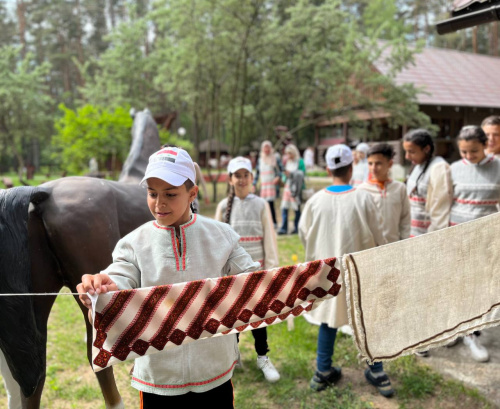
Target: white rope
x=35 y=294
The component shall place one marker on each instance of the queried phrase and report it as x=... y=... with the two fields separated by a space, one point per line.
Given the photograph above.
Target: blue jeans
x=326 y=343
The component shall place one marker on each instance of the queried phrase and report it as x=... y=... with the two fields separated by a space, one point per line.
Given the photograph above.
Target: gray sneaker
x=320 y=382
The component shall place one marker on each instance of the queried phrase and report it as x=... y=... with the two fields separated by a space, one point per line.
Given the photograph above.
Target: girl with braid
x=250 y=217
x=429 y=185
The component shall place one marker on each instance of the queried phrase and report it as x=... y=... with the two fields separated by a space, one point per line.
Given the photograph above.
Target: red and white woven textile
x=133 y=323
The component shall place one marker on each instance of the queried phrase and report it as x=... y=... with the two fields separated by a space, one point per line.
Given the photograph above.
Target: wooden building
x=458 y=89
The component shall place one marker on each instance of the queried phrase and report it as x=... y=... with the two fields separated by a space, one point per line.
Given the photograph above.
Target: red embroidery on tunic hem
x=186 y=384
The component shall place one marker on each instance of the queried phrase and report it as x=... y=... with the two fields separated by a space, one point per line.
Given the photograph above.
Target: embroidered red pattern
x=476 y=202
x=212 y=294
x=251 y=238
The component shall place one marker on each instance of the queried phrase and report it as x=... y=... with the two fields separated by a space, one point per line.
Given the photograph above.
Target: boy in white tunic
x=338 y=220
x=491 y=127
x=178 y=246
x=250 y=217
x=389 y=195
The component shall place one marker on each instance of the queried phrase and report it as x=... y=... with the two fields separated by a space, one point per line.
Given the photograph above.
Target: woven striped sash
x=132 y=323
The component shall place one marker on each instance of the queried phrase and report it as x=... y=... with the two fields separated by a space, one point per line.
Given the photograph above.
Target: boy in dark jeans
x=338 y=220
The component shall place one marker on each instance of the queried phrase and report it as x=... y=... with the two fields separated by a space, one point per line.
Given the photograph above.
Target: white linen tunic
x=430 y=204
x=251 y=219
x=476 y=189
x=149 y=256
x=331 y=225
x=394 y=206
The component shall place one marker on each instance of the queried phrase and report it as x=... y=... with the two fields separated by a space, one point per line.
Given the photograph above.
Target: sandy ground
x=457 y=363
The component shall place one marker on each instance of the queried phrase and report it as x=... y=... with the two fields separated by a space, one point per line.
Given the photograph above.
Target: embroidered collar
x=179 y=245
x=192 y=219
x=380 y=185
x=488 y=158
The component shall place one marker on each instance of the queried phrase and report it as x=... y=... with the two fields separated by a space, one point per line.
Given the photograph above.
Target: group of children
x=180 y=245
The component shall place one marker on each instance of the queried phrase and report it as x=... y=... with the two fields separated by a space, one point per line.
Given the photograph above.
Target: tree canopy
x=231 y=70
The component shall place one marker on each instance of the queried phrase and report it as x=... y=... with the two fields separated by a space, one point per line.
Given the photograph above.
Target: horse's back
x=85 y=217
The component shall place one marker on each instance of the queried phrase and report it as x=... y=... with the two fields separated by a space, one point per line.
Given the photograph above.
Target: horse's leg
x=45 y=278
x=11 y=386
x=106 y=377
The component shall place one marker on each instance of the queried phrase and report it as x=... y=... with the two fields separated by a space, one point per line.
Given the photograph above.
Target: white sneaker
x=267 y=367
x=478 y=352
x=346 y=329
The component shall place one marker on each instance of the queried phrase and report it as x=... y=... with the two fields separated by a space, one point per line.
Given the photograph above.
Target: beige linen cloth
x=424 y=292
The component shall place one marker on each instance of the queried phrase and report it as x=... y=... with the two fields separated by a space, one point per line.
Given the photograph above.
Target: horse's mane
x=145 y=141
x=22 y=333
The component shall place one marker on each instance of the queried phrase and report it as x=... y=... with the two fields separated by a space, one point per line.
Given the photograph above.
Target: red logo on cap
x=171 y=152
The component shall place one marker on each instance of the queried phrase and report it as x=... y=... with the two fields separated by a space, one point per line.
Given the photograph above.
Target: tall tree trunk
x=474 y=40
x=243 y=98
x=64 y=65
x=21 y=18
x=111 y=10
x=494 y=38
x=79 y=48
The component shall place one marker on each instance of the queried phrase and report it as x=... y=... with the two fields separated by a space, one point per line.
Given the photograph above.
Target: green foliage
x=91 y=131
x=240 y=68
x=176 y=140
x=380 y=20
x=24 y=104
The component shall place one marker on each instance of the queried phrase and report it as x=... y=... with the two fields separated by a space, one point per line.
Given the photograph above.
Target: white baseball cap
x=338 y=156
x=363 y=147
x=171 y=164
x=238 y=163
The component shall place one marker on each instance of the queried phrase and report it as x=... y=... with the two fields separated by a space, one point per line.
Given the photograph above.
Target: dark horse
x=49 y=237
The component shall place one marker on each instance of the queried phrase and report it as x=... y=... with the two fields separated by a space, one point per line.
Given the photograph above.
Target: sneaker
x=452 y=343
x=478 y=352
x=346 y=329
x=320 y=382
x=381 y=382
x=267 y=367
x=281 y=232
x=423 y=354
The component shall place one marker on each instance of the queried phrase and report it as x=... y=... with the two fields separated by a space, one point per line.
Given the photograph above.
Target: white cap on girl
x=172 y=164
x=238 y=163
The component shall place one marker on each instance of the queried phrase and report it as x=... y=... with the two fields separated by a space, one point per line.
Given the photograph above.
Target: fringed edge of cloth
x=354 y=312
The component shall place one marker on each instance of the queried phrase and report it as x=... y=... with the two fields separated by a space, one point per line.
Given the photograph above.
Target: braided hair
x=422 y=138
x=230 y=199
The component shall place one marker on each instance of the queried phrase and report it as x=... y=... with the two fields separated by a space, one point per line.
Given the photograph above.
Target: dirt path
x=457 y=363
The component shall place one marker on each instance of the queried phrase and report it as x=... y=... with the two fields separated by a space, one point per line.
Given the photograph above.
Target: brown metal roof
x=452 y=78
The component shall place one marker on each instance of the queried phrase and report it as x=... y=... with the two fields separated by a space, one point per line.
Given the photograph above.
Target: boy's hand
x=94 y=284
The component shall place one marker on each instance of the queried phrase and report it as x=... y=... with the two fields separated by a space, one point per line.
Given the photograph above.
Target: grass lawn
x=70 y=381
